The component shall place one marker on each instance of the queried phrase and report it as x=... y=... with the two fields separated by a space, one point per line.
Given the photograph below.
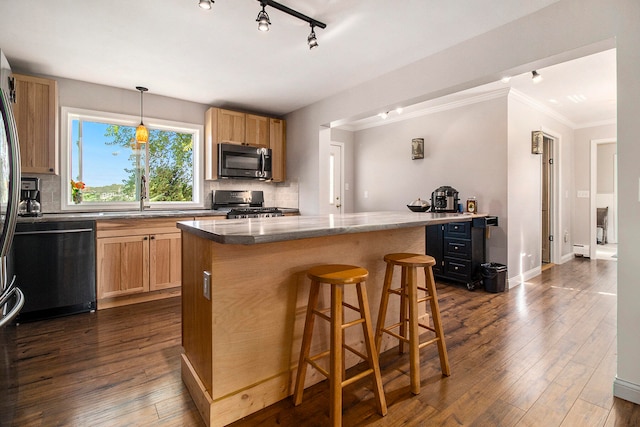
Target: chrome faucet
x=143 y=192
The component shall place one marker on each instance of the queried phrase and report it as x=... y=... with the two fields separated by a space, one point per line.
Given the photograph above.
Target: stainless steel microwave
x=243 y=161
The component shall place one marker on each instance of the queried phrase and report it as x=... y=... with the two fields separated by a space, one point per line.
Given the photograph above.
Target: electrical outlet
x=206 y=284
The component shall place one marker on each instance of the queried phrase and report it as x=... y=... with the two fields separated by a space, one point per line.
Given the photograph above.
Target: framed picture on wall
x=417 y=148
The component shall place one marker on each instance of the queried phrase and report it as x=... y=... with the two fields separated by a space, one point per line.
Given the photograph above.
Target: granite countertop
x=149 y=213
x=268 y=230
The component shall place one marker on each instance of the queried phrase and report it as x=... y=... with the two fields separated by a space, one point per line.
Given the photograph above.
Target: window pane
x=107 y=159
x=170 y=166
x=106 y=164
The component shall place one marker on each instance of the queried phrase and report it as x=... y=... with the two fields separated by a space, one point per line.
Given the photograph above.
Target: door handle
x=16 y=308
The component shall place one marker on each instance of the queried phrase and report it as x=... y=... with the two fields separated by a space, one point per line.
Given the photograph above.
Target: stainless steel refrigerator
x=11 y=298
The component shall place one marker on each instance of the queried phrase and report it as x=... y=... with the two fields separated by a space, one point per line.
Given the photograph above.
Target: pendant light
x=142 y=133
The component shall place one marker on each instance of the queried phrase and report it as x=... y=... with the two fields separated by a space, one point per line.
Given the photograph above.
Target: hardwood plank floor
x=541 y=354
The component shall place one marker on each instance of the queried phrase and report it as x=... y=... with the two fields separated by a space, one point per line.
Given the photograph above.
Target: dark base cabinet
x=459 y=249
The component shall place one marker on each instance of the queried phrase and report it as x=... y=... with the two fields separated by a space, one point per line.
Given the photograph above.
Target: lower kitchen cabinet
x=137 y=260
x=123 y=265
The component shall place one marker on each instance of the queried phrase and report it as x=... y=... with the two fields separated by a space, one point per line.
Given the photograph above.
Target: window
x=100 y=151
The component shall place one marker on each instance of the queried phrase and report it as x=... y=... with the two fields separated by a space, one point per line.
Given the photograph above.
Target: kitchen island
x=244 y=296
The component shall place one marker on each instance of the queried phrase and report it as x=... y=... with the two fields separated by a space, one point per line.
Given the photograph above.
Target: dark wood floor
x=541 y=354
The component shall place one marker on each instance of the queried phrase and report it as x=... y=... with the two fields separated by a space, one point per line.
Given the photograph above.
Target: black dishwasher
x=55 y=266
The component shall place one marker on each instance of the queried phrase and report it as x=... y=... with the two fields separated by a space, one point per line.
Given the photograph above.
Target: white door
x=335 y=178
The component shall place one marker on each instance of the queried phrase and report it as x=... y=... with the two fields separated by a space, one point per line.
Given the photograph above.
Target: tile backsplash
x=283 y=195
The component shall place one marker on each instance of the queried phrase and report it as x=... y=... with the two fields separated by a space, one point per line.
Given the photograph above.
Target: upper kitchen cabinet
x=36 y=117
x=277 y=143
x=242 y=128
x=256 y=131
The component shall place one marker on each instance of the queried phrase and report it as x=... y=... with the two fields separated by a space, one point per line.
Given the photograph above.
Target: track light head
x=206 y=4
x=537 y=78
x=312 y=41
x=263 y=20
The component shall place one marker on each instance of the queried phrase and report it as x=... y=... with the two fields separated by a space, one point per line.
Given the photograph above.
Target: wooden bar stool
x=338 y=276
x=409 y=300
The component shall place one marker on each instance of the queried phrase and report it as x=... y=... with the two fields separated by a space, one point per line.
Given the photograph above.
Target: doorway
x=547 y=200
x=335 y=178
x=603 y=199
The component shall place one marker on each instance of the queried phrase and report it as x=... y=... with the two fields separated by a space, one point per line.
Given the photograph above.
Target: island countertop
x=268 y=230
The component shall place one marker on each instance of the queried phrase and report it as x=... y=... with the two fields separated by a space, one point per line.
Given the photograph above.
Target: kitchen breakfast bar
x=244 y=297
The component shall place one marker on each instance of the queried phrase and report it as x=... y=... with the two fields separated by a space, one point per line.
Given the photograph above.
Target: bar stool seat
x=338 y=276
x=409 y=300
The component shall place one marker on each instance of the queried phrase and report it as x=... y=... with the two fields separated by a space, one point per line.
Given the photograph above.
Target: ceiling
x=218 y=57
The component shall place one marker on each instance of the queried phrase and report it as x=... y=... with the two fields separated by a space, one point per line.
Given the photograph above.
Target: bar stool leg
x=374 y=364
x=384 y=303
x=402 y=331
x=314 y=291
x=336 y=357
x=414 y=333
x=437 y=323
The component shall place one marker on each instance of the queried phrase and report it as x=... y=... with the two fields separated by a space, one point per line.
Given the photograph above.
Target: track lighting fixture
x=206 y=4
x=537 y=78
x=142 y=133
x=311 y=40
x=263 y=20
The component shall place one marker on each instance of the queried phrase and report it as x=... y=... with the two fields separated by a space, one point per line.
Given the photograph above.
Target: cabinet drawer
x=457 y=268
x=457 y=248
x=461 y=230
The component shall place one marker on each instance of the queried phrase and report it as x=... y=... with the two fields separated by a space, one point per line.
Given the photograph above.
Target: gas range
x=253 y=213
x=243 y=204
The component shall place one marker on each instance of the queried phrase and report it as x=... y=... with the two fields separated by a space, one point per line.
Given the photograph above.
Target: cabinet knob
x=455 y=247
x=145 y=238
x=455 y=268
x=152 y=237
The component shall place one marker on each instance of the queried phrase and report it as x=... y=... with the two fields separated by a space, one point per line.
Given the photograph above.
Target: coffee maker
x=444 y=199
x=29 y=197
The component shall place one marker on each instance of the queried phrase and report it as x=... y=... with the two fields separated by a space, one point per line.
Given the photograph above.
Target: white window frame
x=68 y=114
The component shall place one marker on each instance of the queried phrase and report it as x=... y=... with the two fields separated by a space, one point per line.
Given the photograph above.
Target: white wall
x=525 y=188
x=463 y=147
x=565 y=30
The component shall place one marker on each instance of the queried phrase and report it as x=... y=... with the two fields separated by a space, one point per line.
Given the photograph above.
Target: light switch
x=583 y=194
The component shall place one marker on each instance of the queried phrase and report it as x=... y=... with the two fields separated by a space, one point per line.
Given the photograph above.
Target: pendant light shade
x=142 y=133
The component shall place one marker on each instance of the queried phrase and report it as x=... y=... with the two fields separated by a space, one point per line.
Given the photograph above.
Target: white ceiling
x=218 y=57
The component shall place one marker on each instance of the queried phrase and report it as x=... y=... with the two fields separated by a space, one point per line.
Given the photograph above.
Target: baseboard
x=567 y=258
x=626 y=390
x=520 y=278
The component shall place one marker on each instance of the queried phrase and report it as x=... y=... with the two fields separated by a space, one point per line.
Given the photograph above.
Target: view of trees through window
x=106 y=158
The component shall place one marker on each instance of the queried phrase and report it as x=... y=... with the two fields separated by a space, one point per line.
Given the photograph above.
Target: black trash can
x=494 y=276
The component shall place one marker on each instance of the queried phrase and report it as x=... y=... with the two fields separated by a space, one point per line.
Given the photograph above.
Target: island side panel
x=196 y=310
x=259 y=298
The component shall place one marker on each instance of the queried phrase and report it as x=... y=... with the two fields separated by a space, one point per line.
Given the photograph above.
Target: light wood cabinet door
x=36 y=118
x=256 y=130
x=231 y=126
x=278 y=145
x=123 y=266
x=165 y=261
